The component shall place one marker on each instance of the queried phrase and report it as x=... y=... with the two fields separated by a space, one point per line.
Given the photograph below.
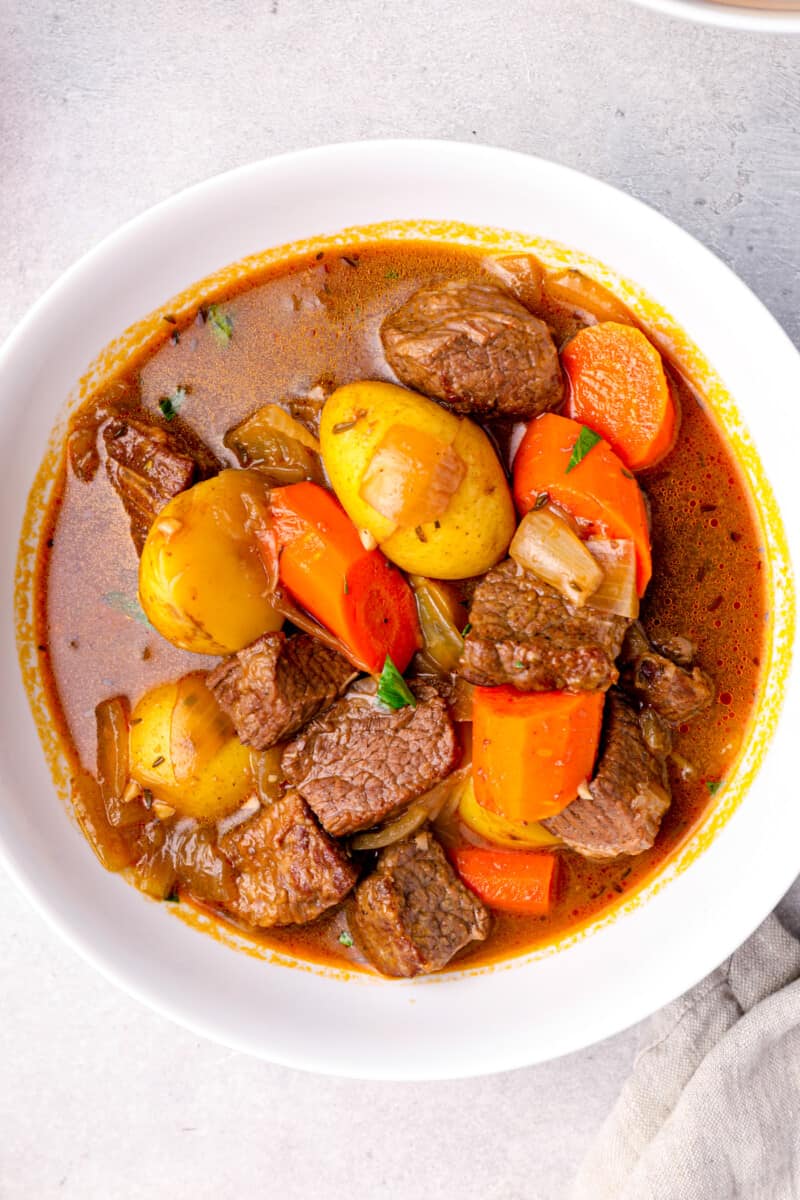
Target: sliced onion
x=412 y=477
x=198 y=729
x=523 y=275
x=123 y=804
x=283 y=603
x=545 y=545
x=266 y=769
x=278 y=444
x=110 y=844
x=617 y=592
x=440 y=800
x=441 y=619
x=586 y=294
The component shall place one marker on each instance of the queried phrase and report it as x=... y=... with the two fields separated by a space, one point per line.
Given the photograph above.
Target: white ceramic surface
x=455 y=1025
x=729 y=16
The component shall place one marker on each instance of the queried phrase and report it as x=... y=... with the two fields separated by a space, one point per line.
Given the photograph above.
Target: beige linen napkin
x=712 y=1108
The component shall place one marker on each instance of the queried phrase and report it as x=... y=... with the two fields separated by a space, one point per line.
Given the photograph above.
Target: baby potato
x=472 y=532
x=183 y=749
x=201 y=579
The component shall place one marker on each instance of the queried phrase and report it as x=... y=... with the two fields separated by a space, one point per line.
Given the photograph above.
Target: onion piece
x=442 y=799
x=282 y=602
x=198 y=728
x=617 y=592
x=123 y=805
x=582 y=292
x=547 y=546
x=278 y=444
x=411 y=477
x=500 y=831
x=441 y=620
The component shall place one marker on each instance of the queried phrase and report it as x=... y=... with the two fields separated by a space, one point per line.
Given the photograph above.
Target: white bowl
x=729 y=16
x=464 y=1023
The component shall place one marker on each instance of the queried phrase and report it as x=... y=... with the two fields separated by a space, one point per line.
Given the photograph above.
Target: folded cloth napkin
x=712 y=1108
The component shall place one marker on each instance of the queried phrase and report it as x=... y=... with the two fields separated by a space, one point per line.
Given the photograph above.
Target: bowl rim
x=726 y=16
x=126 y=972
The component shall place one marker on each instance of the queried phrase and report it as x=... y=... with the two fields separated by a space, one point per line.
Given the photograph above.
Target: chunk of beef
x=622 y=809
x=476 y=348
x=524 y=633
x=287 y=870
x=146 y=467
x=412 y=914
x=274 y=686
x=670 y=685
x=360 y=763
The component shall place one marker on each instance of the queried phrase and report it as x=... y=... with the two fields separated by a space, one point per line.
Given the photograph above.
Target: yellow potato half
x=474 y=531
x=215 y=777
x=201 y=579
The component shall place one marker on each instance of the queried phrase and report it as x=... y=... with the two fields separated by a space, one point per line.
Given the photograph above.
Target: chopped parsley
x=392 y=688
x=713 y=786
x=126 y=605
x=466 y=629
x=586 y=439
x=171 y=405
x=628 y=474
x=346 y=587
x=173 y=897
x=541 y=500
x=221 y=324
x=391 y=274
x=345 y=939
x=519 y=665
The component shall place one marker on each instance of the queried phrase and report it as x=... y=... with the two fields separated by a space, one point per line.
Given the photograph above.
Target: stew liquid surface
x=318 y=324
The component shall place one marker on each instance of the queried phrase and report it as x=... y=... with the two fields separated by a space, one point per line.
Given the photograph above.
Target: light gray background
x=108 y=107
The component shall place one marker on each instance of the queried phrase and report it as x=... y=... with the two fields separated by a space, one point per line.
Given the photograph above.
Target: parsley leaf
x=392 y=688
x=466 y=629
x=713 y=786
x=171 y=405
x=391 y=274
x=345 y=939
x=586 y=439
x=126 y=605
x=221 y=324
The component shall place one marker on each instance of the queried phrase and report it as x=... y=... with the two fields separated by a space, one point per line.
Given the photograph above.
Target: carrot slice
x=619 y=389
x=531 y=750
x=356 y=593
x=598 y=490
x=512 y=881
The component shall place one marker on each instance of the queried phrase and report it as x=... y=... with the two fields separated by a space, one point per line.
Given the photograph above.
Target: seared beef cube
x=147 y=468
x=360 y=762
x=274 y=686
x=476 y=348
x=412 y=914
x=287 y=870
x=667 y=682
x=524 y=633
x=622 y=810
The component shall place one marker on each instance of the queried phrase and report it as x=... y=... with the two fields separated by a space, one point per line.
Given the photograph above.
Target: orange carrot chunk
x=564 y=462
x=618 y=387
x=532 y=750
x=514 y=881
x=353 y=592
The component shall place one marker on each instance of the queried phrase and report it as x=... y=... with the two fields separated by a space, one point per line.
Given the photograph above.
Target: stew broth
x=318 y=323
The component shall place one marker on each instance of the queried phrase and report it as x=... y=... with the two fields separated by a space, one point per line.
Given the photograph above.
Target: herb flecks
x=391 y=274
x=127 y=605
x=540 y=501
x=467 y=629
x=351 y=260
x=345 y=939
x=713 y=786
x=628 y=474
x=171 y=405
x=393 y=689
x=346 y=587
x=586 y=439
x=173 y=898
x=345 y=426
x=221 y=324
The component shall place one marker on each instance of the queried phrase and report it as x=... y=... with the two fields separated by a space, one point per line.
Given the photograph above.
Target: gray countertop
x=110 y=107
